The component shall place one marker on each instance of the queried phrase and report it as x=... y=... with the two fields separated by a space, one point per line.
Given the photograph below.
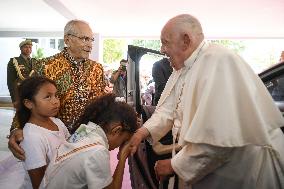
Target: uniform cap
x=26 y=42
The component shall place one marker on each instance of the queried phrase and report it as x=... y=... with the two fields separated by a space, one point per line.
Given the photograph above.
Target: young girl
x=84 y=161
x=38 y=104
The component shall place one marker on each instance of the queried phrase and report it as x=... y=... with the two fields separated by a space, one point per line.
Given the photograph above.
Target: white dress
x=226 y=123
x=40 y=144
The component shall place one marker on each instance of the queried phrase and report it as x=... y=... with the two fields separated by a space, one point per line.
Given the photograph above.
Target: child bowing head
x=116 y=118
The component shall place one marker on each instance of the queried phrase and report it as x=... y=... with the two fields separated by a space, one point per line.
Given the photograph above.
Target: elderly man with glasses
x=79 y=79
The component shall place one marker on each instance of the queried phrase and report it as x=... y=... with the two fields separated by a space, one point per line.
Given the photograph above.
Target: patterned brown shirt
x=77 y=82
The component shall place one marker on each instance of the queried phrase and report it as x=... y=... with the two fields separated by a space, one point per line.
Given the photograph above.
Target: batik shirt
x=77 y=82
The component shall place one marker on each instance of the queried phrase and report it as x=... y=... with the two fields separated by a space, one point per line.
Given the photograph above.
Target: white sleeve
x=35 y=149
x=194 y=161
x=97 y=169
x=161 y=121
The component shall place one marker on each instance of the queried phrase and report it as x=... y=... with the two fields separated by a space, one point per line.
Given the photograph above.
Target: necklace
x=176 y=128
x=197 y=56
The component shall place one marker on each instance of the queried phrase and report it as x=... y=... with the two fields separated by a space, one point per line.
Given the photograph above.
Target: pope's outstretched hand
x=141 y=134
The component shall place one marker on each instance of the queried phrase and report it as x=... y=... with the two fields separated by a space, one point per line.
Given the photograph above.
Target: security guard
x=19 y=68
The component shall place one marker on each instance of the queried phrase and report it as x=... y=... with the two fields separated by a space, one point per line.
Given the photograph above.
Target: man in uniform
x=19 y=68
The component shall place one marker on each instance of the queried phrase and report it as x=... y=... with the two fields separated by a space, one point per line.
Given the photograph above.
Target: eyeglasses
x=84 y=39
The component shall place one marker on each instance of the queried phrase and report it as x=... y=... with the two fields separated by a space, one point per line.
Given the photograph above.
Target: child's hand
x=124 y=151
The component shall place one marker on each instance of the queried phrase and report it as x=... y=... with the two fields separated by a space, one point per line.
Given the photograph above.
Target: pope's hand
x=136 y=139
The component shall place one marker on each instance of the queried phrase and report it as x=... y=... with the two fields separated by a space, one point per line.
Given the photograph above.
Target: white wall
x=97 y=50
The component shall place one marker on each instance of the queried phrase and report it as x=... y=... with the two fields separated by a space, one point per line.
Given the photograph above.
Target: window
x=52 y=43
x=60 y=44
x=276 y=88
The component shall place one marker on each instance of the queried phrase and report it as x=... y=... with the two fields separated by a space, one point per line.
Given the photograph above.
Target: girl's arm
x=118 y=173
x=35 y=147
x=36 y=176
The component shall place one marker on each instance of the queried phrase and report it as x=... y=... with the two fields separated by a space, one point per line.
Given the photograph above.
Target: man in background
x=161 y=72
x=20 y=68
x=118 y=78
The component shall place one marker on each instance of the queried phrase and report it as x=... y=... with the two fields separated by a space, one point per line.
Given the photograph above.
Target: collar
x=25 y=57
x=96 y=133
x=190 y=60
x=70 y=58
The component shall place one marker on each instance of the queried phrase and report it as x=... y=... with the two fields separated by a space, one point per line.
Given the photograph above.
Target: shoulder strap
x=19 y=73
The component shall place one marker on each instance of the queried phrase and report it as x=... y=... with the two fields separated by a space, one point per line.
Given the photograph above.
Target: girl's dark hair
x=105 y=110
x=27 y=90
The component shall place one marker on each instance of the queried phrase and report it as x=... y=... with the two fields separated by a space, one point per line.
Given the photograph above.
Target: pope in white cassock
x=220 y=113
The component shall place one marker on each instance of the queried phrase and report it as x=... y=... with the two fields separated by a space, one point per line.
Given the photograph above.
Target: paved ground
x=6 y=116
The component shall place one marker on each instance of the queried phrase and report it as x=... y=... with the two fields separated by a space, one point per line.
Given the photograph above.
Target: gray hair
x=71 y=25
x=188 y=24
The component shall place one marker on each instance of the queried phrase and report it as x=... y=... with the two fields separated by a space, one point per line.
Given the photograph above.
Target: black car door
x=142 y=163
x=273 y=79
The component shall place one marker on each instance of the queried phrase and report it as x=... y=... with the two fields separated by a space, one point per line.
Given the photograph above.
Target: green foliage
x=113 y=50
x=39 y=53
x=149 y=44
x=236 y=45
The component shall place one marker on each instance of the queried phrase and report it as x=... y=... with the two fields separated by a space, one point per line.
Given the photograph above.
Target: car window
x=276 y=88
